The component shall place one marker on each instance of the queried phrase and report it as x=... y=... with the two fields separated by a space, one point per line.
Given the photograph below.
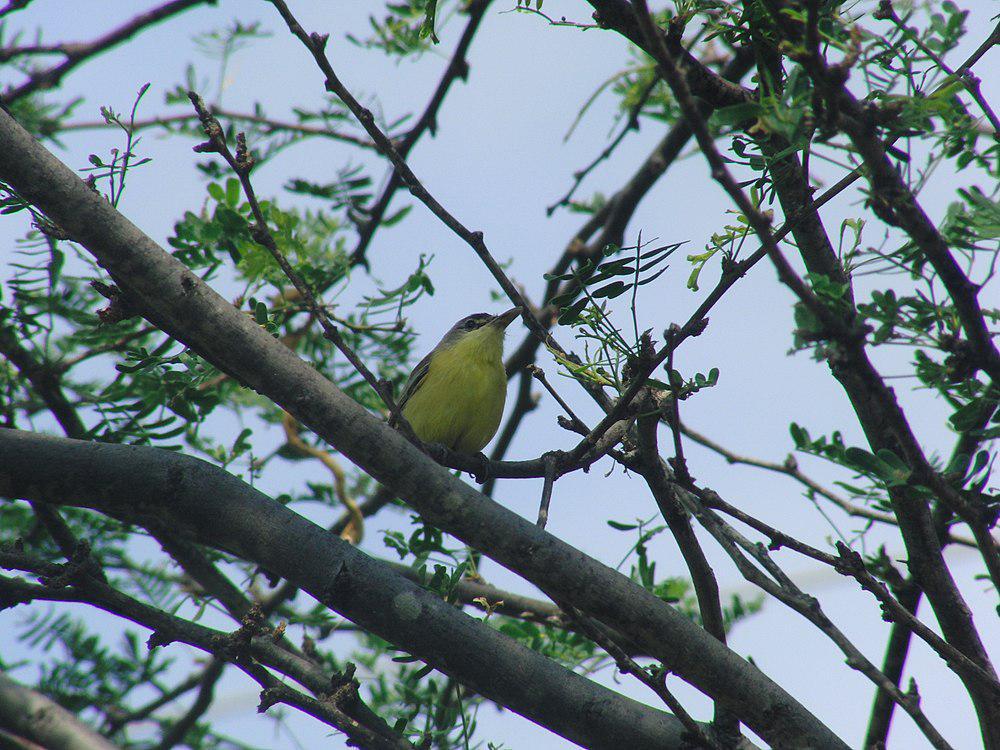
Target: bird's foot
x=440 y=453
x=482 y=474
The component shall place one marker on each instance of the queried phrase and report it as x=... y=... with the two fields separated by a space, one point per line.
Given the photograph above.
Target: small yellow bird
x=455 y=396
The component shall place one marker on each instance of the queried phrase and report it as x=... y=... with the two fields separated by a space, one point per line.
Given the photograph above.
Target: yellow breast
x=460 y=401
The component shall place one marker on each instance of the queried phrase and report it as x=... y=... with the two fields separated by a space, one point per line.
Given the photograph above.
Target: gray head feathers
x=466 y=324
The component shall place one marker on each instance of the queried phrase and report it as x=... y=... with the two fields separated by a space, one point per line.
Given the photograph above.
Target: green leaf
x=232 y=192
x=654 y=277
x=736 y=114
x=55 y=266
x=571 y=314
x=896 y=471
x=610 y=291
x=969 y=416
x=864 y=460
x=427 y=27
x=215 y=190
x=397 y=217
x=982 y=458
x=622 y=526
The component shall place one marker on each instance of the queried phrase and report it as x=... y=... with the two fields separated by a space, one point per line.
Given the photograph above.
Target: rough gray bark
x=35 y=717
x=201 y=501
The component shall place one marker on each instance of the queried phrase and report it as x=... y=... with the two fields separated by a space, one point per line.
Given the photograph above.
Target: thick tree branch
x=884 y=422
x=205 y=503
x=35 y=717
x=194 y=314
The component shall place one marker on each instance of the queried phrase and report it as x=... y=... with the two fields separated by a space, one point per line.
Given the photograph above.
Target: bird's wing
x=416 y=378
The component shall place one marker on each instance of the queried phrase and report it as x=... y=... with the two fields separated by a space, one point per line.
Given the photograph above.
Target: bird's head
x=480 y=333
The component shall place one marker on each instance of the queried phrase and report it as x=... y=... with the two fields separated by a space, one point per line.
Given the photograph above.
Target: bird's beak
x=504 y=319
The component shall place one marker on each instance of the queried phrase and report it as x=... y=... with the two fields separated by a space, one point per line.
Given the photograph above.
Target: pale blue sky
x=498 y=160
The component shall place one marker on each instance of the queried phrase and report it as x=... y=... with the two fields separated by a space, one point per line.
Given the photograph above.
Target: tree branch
x=206 y=688
x=883 y=420
x=180 y=302
x=79 y=52
x=702 y=576
x=40 y=719
x=457 y=68
x=269 y=124
x=204 y=502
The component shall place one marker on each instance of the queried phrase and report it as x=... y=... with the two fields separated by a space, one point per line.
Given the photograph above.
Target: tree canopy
x=757 y=345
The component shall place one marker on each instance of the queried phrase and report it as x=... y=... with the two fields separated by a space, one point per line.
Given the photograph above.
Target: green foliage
x=83 y=674
x=222 y=44
x=784 y=111
x=423 y=706
x=585 y=301
x=681 y=388
x=884 y=470
x=351 y=189
x=43 y=119
x=622 y=274
x=676 y=591
x=407 y=29
x=131 y=383
x=726 y=243
x=971 y=222
x=115 y=171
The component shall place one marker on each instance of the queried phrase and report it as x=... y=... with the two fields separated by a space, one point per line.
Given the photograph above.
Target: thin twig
x=550 y=478
x=851 y=563
x=271 y=125
x=457 y=68
x=116 y=721
x=236 y=648
x=680 y=465
x=79 y=52
x=790 y=468
x=781 y=587
x=963 y=76
x=731 y=273
x=316 y=45
x=242 y=163
x=631 y=124
x=177 y=731
x=655 y=681
x=703 y=578
x=539 y=374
